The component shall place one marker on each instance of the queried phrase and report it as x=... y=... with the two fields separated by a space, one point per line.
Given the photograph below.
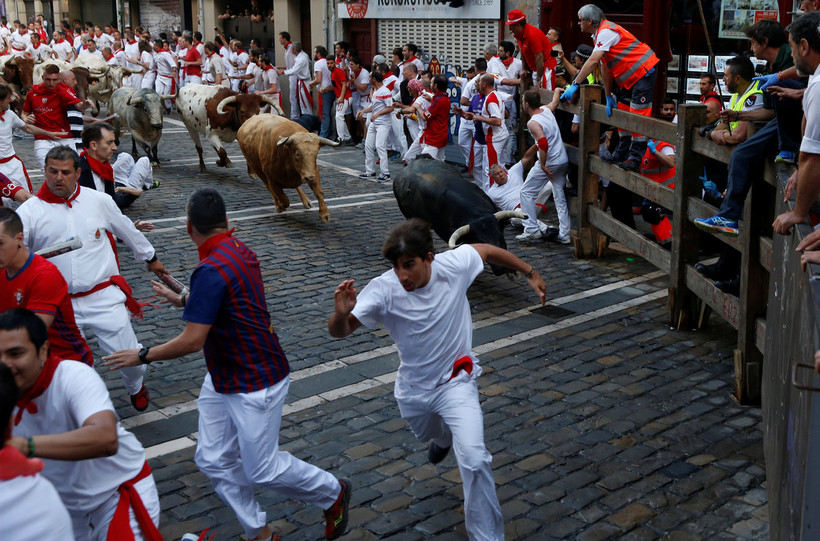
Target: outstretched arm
x=342 y=323
x=500 y=256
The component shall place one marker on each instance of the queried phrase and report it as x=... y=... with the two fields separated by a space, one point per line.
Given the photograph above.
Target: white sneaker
x=530 y=237
x=565 y=240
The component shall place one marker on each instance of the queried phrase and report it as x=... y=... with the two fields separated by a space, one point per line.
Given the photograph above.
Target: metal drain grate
x=553 y=312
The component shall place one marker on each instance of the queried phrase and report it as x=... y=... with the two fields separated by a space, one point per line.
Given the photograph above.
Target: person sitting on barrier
x=805 y=42
x=769 y=42
x=746 y=96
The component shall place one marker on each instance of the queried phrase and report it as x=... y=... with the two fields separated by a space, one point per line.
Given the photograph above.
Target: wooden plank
x=639 y=184
x=654 y=128
x=760 y=334
x=572 y=108
x=586 y=242
x=728 y=306
x=706 y=147
x=573 y=153
x=698 y=208
x=630 y=238
x=766 y=253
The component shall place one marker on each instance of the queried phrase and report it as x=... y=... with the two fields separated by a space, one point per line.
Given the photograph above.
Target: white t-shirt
x=132 y=50
x=424 y=103
x=494 y=66
x=382 y=99
x=76 y=393
x=30 y=508
x=431 y=326
x=363 y=79
x=320 y=66
x=165 y=63
x=9 y=123
x=63 y=49
x=256 y=82
x=811 y=110
x=555 y=152
x=103 y=40
x=508 y=196
x=20 y=42
x=241 y=58
x=605 y=40
x=511 y=72
x=494 y=108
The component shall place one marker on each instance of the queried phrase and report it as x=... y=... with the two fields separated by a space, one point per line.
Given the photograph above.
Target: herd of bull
x=278 y=151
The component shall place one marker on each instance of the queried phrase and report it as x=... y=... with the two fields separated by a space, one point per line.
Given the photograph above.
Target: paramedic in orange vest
x=658 y=164
x=630 y=64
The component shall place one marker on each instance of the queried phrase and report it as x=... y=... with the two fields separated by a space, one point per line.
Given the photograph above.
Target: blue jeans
x=328 y=114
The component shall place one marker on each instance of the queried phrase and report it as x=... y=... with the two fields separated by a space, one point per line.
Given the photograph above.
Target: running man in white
x=379 y=128
x=422 y=302
x=300 y=71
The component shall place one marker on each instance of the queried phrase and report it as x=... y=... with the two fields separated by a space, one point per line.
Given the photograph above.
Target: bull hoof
x=229 y=164
x=280 y=209
x=156 y=164
x=325 y=217
x=201 y=168
x=220 y=163
x=254 y=176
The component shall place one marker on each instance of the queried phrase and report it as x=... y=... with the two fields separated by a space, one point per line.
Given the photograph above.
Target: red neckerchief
x=206 y=247
x=287 y=45
x=50 y=197
x=85 y=47
x=239 y=51
x=507 y=62
x=103 y=169
x=160 y=50
x=26 y=402
x=59 y=41
x=339 y=59
x=268 y=67
x=14 y=464
x=133 y=41
x=37 y=46
x=23 y=33
x=197 y=43
x=2 y=118
x=414 y=58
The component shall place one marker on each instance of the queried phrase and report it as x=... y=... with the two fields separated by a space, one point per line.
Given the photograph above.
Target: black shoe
x=436 y=454
x=551 y=233
x=630 y=165
x=732 y=287
x=609 y=158
x=713 y=272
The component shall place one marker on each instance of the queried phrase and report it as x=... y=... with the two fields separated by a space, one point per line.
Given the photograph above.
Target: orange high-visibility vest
x=652 y=168
x=629 y=59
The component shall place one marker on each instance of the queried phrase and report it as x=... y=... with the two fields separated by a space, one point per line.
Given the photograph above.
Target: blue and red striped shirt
x=241 y=350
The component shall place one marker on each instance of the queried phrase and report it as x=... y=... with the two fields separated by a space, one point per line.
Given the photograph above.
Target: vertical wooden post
x=586 y=243
x=688 y=169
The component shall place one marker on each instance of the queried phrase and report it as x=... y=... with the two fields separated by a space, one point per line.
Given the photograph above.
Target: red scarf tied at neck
x=103 y=169
x=50 y=197
x=507 y=62
x=26 y=403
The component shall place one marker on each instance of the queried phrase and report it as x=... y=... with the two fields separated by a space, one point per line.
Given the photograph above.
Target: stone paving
x=603 y=423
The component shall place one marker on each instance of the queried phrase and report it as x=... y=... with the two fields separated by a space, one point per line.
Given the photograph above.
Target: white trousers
x=93 y=526
x=434 y=152
x=238 y=448
x=397 y=139
x=134 y=80
x=16 y=171
x=305 y=98
x=163 y=87
x=466 y=136
x=135 y=175
x=148 y=79
x=293 y=84
x=342 y=109
x=376 y=141
x=42 y=146
x=413 y=128
x=414 y=149
x=534 y=183
x=195 y=80
x=104 y=312
x=451 y=415
x=479 y=171
x=492 y=152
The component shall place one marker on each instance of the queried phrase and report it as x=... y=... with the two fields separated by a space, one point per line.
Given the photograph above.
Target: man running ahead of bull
x=423 y=304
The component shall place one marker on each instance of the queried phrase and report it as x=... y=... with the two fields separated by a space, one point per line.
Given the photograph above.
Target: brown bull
x=283 y=154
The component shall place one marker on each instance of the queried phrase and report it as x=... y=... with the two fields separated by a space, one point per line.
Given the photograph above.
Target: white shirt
x=362 y=79
x=431 y=326
x=290 y=57
x=63 y=49
x=76 y=393
x=320 y=66
x=494 y=66
x=255 y=83
x=301 y=67
x=20 y=42
x=555 y=152
x=508 y=196
x=269 y=78
x=30 y=508
x=99 y=55
x=512 y=72
x=467 y=92
x=605 y=40
x=103 y=40
x=132 y=50
x=494 y=108
x=78 y=42
x=424 y=103
x=148 y=58
x=165 y=63
x=811 y=110
x=91 y=214
x=241 y=59
x=119 y=58
x=9 y=123
x=382 y=99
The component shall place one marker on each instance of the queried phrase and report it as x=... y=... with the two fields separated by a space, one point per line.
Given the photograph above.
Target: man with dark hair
x=63 y=209
x=669 y=110
x=408 y=53
x=240 y=403
x=65 y=415
x=378 y=129
x=746 y=96
x=707 y=89
x=422 y=302
x=32 y=282
x=535 y=49
x=327 y=98
x=290 y=58
x=192 y=63
x=30 y=507
x=125 y=180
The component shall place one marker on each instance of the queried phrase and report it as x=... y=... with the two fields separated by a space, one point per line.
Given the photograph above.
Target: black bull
x=438 y=194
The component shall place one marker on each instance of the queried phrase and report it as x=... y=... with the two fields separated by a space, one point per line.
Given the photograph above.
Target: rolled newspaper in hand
x=58 y=248
x=174 y=285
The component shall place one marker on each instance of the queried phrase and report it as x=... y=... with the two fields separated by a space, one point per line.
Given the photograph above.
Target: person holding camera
x=536 y=49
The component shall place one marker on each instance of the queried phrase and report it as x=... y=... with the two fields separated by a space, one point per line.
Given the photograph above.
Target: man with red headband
x=535 y=48
x=628 y=62
x=65 y=415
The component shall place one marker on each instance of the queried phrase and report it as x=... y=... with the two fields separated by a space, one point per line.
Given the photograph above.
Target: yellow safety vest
x=736 y=104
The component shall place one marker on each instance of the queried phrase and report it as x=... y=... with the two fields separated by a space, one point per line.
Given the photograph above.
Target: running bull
x=139 y=111
x=458 y=211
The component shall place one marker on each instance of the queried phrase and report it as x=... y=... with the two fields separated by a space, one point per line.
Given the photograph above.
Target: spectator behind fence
x=769 y=42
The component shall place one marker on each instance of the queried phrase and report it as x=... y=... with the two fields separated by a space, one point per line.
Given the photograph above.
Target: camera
x=554 y=53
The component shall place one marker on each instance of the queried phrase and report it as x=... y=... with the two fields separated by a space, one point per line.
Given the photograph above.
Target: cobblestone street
x=603 y=423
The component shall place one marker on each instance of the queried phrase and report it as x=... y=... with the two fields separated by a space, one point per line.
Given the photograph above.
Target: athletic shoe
x=630 y=165
x=367 y=175
x=336 y=516
x=383 y=177
x=530 y=237
x=713 y=272
x=436 y=454
x=718 y=224
x=395 y=157
x=732 y=287
x=153 y=185
x=566 y=240
x=141 y=400
x=785 y=156
x=348 y=143
x=550 y=234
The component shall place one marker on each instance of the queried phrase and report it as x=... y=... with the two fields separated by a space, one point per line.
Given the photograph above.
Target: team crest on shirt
x=18 y=296
x=44 y=100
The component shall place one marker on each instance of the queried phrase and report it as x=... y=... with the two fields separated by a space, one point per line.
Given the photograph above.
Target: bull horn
x=507 y=214
x=131 y=70
x=106 y=91
x=169 y=97
x=220 y=109
x=39 y=61
x=326 y=142
x=283 y=141
x=274 y=103
x=457 y=234
x=134 y=101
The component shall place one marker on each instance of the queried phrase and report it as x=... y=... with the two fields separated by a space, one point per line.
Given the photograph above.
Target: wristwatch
x=143 y=355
